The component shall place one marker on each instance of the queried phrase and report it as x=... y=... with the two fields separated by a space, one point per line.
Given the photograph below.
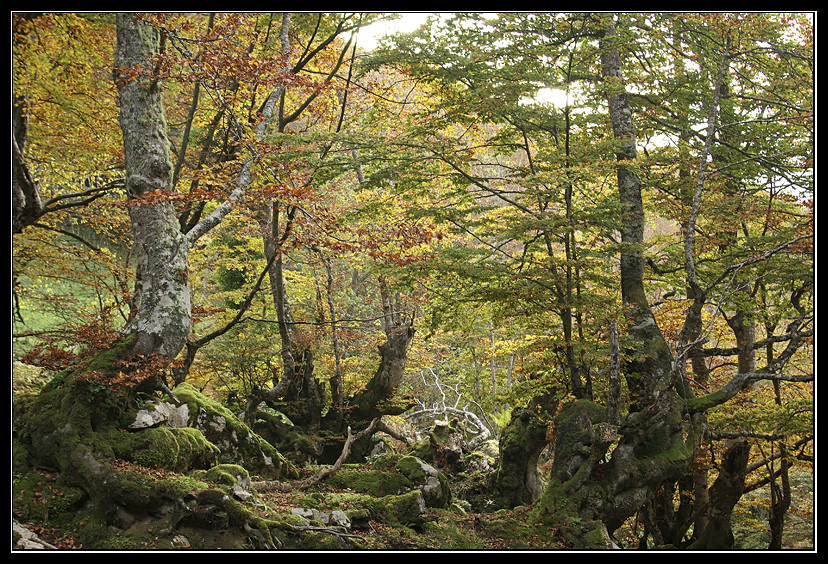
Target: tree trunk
x=373 y=400
x=75 y=421
x=161 y=300
x=588 y=479
x=377 y=397
x=517 y=481
x=724 y=494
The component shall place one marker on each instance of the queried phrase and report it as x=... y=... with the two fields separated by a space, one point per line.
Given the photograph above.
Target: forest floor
x=60 y=517
x=439 y=529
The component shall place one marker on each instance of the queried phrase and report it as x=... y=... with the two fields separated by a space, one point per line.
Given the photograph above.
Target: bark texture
x=161 y=300
x=517 y=481
x=723 y=496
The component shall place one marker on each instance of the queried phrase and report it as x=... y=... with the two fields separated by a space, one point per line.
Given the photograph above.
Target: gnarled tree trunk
x=655 y=442
x=73 y=419
x=517 y=480
x=371 y=402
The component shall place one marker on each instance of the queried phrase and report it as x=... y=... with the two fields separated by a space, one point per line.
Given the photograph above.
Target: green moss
x=401 y=509
x=410 y=467
x=321 y=541
x=165 y=448
x=593 y=538
x=227 y=474
x=44 y=498
x=384 y=461
x=374 y=482
x=554 y=501
x=236 y=442
x=117 y=541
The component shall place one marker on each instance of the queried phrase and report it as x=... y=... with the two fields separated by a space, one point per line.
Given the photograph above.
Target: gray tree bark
x=653 y=445
x=161 y=301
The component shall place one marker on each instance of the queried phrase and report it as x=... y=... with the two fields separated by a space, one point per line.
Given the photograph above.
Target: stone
x=163 y=413
x=432 y=483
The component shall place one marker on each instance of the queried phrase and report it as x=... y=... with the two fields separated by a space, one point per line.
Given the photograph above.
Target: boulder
x=236 y=442
x=162 y=413
x=432 y=483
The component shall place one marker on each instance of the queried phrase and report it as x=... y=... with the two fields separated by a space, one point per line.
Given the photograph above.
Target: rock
x=180 y=541
x=336 y=517
x=340 y=519
x=240 y=493
x=237 y=443
x=28 y=540
x=432 y=483
x=163 y=413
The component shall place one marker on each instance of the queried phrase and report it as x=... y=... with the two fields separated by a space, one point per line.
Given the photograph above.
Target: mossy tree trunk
x=379 y=396
x=161 y=300
x=300 y=395
x=73 y=427
x=373 y=400
x=73 y=424
x=517 y=480
x=723 y=496
x=604 y=473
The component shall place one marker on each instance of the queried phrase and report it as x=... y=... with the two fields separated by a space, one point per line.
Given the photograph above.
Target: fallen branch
x=328 y=530
x=29 y=540
x=322 y=473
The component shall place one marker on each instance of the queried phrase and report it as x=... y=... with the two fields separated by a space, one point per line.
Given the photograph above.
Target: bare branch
x=322 y=473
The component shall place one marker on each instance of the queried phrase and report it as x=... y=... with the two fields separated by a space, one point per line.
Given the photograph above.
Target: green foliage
x=438 y=163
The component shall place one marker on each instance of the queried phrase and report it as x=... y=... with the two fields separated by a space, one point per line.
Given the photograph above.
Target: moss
x=402 y=509
x=321 y=541
x=449 y=534
x=44 y=498
x=227 y=474
x=374 y=482
x=384 y=461
x=189 y=483
x=396 y=510
x=237 y=443
x=554 y=502
x=142 y=493
x=117 y=541
x=169 y=449
x=594 y=537
x=410 y=467
x=702 y=403
x=424 y=449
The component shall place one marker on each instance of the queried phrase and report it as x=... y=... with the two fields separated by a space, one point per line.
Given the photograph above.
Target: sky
x=409 y=21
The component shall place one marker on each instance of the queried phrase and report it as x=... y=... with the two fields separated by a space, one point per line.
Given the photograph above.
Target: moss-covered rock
x=443 y=446
x=175 y=449
x=432 y=483
x=236 y=442
x=405 y=509
x=374 y=482
x=228 y=474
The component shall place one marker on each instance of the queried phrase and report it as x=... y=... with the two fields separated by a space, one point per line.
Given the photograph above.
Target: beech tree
x=609 y=465
x=646 y=239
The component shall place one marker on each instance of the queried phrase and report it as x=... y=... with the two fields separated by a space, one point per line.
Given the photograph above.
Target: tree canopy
x=588 y=236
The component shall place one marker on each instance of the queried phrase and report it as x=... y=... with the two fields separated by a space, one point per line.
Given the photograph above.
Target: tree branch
x=322 y=473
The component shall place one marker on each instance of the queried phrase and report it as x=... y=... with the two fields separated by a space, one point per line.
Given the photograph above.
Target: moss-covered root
x=214 y=509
